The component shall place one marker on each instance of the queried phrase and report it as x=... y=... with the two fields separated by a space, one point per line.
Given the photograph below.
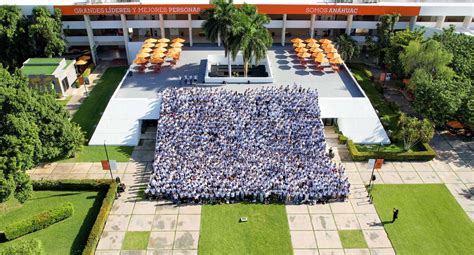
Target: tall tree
x=462 y=48
x=412 y=131
x=250 y=35
x=429 y=56
x=33 y=128
x=45 y=32
x=218 y=25
x=398 y=43
x=15 y=47
x=385 y=30
x=347 y=47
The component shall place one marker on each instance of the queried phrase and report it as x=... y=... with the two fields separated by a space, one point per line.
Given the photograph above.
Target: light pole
x=108 y=161
x=373 y=169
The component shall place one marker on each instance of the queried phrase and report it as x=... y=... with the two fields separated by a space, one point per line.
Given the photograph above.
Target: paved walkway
x=175 y=230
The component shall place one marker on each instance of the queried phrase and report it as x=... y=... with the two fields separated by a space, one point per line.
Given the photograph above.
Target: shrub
x=37 y=222
x=24 y=247
x=99 y=224
x=342 y=138
x=427 y=154
x=71 y=185
x=368 y=73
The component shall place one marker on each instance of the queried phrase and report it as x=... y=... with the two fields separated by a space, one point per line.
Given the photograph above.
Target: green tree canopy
x=398 y=42
x=33 y=128
x=412 y=131
x=250 y=35
x=347 y=47
x=385 y=30
x=45 y=32
x=22 y=37
x=440 y=99
x=429 y=56
x=461 y=46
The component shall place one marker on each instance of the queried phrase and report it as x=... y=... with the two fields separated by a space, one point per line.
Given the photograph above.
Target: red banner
x=326 y=9
x=105 y=164
x=378 y=164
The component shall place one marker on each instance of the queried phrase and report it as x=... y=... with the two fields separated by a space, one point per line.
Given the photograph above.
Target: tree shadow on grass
x=57 y=195
x=81 y=237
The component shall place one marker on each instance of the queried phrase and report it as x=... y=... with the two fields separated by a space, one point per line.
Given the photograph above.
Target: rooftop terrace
x=286 y=68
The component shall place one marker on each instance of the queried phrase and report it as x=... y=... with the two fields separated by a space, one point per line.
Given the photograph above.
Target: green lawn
x=430 y=220
x=352 y=239
x=136 y=240
x=97 y=153
x=394 y=147
x=66 y=237
x=89 y=112
x=266 y=231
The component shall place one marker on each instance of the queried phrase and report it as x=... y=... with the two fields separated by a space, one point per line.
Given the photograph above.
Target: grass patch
x=266 y=231
x=430 y=219
x=394 y=147
x=89 y=112
x=136 y=240
x=352 y=239
x=66 y=237
x=97 y=153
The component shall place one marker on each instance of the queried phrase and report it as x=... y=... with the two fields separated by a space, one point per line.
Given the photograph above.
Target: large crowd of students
x=262 y=145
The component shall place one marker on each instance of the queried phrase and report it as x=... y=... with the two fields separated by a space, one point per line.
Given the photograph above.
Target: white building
x=112 y=24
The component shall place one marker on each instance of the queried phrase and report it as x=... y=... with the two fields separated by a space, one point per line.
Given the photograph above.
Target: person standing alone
x=395 y=214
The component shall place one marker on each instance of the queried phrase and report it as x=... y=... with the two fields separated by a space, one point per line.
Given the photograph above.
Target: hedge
x=39 y=221
x=24 y=247
x=108 y=185
x=427 y=154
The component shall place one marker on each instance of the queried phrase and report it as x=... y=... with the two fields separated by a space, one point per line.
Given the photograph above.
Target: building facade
x=104 y=23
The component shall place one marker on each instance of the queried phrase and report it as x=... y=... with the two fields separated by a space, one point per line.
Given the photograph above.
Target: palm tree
x=347 y=47
x=250 y=35
x=218 y=24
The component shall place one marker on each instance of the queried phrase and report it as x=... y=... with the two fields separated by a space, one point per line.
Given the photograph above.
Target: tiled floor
x=314 y=228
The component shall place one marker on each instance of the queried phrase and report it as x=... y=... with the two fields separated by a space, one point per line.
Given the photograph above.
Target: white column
x=349 y=24
x=90 y=37
x=190 y=27
x=125 y=36
x=413 y=22
x=440 y=21
x=311 y=25
x=283 y=30
x=162 y=26
x=218 y=39
x=467 y=22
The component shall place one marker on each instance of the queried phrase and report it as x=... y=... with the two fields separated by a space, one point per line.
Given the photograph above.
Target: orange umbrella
x=163 y=40
x=301 y=50
x=175 y=50
x=160 y=50
x=157 y=61
x=146 y=50
x=297 y=40
x=312 y=45
x=328 y=46
x=176 y=45
x=148 y=45
x=315 y=49
x=321 y=59
x=336 y=61
x=455 y=124
x=299 y=45
x=158 y=55
x=81 y=62
x=317 y=54
x=329 y=50
x=333 y=55
x=325 y=41
x=179 y=40
x=143 y=55
x=304 y=55
x=161 y=45
x=85 y=57
x=151 y=40
x=311 y=40
x=140 y=61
